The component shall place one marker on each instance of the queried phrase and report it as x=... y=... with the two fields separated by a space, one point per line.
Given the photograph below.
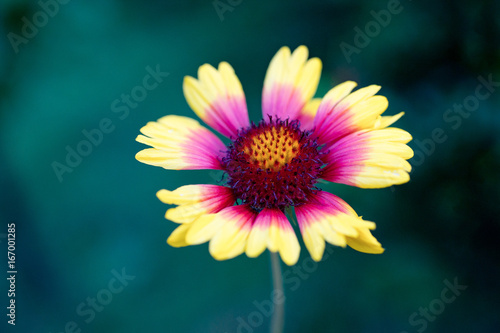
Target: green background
x=103 y=215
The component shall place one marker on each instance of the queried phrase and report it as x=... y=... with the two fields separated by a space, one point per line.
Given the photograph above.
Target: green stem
x=278 y=319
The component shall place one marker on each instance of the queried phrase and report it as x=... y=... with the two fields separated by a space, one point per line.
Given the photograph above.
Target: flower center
x=273 y=164
x=271 y=148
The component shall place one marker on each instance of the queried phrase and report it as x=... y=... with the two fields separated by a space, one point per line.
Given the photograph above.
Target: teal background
x=104 y=215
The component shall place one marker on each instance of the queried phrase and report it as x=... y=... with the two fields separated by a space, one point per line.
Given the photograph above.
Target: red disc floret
x=273 y=164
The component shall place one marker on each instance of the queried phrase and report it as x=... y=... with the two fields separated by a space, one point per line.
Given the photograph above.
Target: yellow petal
x=365 y=242
x=289 y=247
x=203 y=229
x=340 y=223
x=257 y=241
x=314 y=242
x=182 y=195
x=377 y=177
x=386 y=121
x=186 y=213
x=391 y=134
x=328 y=233
x=358 y=95
x=365 y=113
x=178 y=236
x=229 y=242
x=337 y=93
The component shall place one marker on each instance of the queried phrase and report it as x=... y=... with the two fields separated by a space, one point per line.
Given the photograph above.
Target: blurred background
x=90 y=233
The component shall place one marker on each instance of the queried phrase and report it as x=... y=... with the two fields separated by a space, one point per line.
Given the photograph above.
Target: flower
x=272 y=168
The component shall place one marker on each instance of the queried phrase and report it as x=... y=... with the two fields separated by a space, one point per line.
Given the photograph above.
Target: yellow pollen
x=272 y=149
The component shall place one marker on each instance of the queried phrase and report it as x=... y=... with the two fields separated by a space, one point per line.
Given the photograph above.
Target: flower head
x=272 y=167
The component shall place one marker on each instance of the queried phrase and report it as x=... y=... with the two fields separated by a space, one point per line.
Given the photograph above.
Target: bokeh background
x=74 y=232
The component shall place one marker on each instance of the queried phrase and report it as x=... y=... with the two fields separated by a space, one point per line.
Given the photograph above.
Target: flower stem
x=278 y=319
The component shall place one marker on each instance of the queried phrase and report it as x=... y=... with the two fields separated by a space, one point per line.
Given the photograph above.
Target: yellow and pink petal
x=342 y=112
x=180 y=143
x=226 y=230
x=231 y=239
x=217 y=98
x=328 y=218
x=272 y=230
x=291 y=81
x=308 y=113
x=370 y=159
x=237 y=229
x=195 y=200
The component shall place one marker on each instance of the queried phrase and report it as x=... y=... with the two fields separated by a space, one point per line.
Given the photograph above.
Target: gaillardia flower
x=272 y=168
